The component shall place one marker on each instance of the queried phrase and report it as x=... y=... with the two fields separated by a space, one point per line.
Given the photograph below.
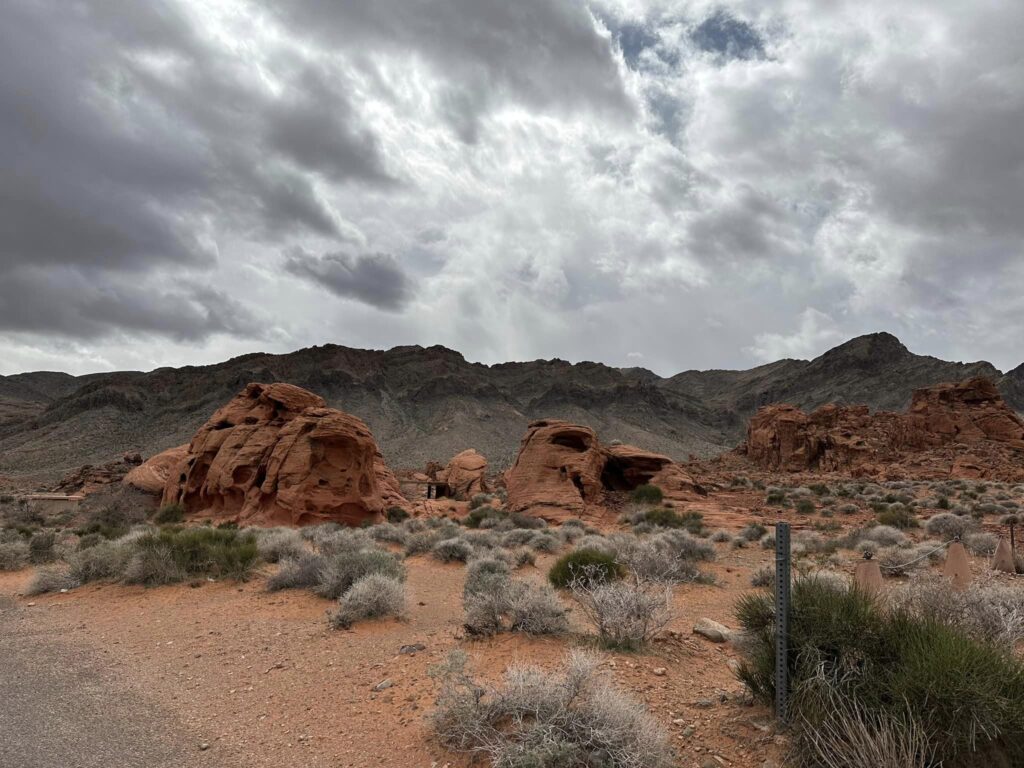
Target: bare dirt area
x=261 y=679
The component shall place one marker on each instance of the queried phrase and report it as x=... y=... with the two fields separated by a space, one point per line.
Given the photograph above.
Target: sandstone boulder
x=151 y=476
x=465 y=474
x=276 y=455
x=563 y=471
x=838 y=438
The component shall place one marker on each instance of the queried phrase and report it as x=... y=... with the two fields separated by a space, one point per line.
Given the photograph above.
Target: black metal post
x=782 y=597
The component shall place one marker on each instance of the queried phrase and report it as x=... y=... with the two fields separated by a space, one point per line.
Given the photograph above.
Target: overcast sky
x=667 y=184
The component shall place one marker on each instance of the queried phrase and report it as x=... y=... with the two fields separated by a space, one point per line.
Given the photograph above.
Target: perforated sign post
x=782 y=568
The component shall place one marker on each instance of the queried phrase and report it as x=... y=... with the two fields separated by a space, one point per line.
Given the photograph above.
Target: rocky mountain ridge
x=430 y=403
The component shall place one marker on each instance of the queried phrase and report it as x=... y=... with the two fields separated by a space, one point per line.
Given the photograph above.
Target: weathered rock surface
x=151 y=476
x=91 y=478
x=563 y=471
x=969 y=416
x=465 y=474
x=276 y=455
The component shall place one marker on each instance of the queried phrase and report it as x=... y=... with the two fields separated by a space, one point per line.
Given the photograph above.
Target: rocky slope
x=430 y=403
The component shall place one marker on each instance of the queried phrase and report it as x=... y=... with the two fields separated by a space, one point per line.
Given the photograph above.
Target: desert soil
x=132 y=676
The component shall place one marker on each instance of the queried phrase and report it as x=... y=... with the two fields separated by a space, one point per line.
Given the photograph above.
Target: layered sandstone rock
x=276 y=455
x=92 y=478
x=563 y=471
x=946 y=425
x=465 y=474
x=152 y=475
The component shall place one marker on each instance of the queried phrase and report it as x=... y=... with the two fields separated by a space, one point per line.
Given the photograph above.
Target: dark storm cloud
x=68 y=301
x=125 y=132
x=376 y=279
x=547 y=55
x=724 y=34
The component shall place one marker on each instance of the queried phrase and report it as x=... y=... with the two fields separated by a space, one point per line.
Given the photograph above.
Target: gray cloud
x=372 y=278
x=570 y=178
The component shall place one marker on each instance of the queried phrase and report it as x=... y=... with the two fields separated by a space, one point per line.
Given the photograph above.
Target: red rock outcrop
x=968 y=416
x=563 y=471
x=465 y=474
x=90 y=478
x=276 y=455
x=151 y=476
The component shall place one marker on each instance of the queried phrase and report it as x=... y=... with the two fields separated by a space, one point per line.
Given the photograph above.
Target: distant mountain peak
x=873 y=349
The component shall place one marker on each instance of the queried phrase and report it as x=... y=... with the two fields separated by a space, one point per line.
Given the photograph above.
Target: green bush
x=898 y=516
x=169 y=514
x=174 y=554
x=775 y=497
x=598 y=566
x=963 y=695
x=647 y=494
x=805 y=507
x=479 y=514
x=396 y=515
x=669 y=518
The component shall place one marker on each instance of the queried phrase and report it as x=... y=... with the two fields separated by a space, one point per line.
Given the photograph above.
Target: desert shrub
x=276 y=544
x=569 y=534
x=647 y=494
x=763 y=577
x=849 y=509
x=720 y=536
x=422 y=541
x=943 y=502
x=573 y=718
x=596 y=564
x=544 y=541
x=389 y=532
x=885 y=536
x=104 y=560
x=50 y=579
x=949 y=526
x=300 y=572
x=981 y=543
x=396 y=515
x=775 y=497
x=452 y=550
x=669 y=518
x=479 y=499
x=897 y=516
x=753 y=532
x=503 y=604
x=339 y=572
x=686 y=547
x=655 y=559
x=517 y=557
x=738 y=542
x=768 y=541
x=986 y=610
x=14 y=555
x=805 y=507
x=894 y=667
x=169 y=514
x=900 y=561
x=482 y=574
x=626 y=614
x=40 y=547
x=372 y=596
x=336 y=541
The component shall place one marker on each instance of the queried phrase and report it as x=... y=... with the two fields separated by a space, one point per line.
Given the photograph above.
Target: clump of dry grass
x=572 y=717
x=371 y=597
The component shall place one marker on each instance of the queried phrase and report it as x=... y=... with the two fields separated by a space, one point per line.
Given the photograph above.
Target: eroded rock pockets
x=968 y=415
x=563 y=471
x=276 y=455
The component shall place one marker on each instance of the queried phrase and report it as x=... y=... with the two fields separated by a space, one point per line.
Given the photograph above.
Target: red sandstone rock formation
x=968 y=416
x=563 y=471
x=464 y=474
x=275 y=455
x=152 y=475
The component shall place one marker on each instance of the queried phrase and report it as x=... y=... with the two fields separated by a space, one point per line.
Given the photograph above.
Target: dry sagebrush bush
x=342 y=570
x=626 y=614
x=497 y=603
x=987 y=610
x=371 y=597
x=276 y=544
x=572 y=717
x=13 y=555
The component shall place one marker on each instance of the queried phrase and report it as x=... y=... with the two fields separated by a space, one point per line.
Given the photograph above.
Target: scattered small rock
x=204 y=746
x=383 y=685
x=412 y=648
x=660 y=671
x=704 y=703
